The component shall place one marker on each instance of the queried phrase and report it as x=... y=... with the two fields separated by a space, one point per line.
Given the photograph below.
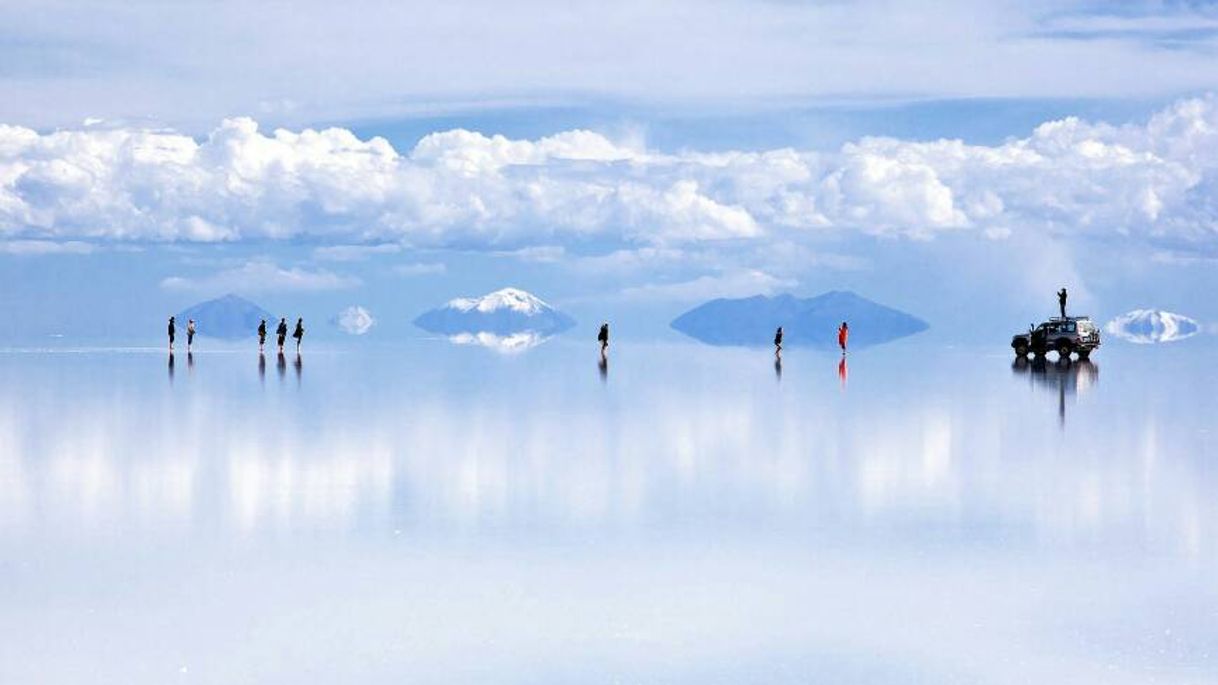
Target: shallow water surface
x=433 y=513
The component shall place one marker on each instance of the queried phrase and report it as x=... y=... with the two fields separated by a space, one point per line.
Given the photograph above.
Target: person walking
x=778 y=342
x=298 y=333
x=190 y=333
x=603 y=338
x=261 y=335
x=171 y=332
x=843 y=334
x=1061 y=301
x=281 y=333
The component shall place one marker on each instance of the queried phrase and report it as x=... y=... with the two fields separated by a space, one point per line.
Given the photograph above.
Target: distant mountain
x=229 y=317
x=1149 y=326
x=805 y=321
x=504 y=312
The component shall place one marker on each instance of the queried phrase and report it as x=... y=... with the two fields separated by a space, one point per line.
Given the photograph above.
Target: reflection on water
x=1065 y=377
x=937 y=496
x=513 y=343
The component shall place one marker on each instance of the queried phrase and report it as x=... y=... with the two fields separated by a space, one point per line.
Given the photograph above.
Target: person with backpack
x=171 y=332
x=261 y=335
x=298 y=333
x=282 y=333
x=843 y=333
x=603 y=338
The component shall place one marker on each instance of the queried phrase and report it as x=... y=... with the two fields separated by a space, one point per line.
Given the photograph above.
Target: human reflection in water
x=190 y=361
x=1065 y=377
x=262 y=368
x=281 y=366
x=778 y=366
x=171 y=368
x=298 y=365
x=602 y=366
x=842 y=372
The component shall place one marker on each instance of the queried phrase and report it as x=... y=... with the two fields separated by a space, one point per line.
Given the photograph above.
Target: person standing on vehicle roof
x=1061 y=301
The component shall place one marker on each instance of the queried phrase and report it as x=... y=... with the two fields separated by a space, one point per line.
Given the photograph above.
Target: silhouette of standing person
x=261 y=335
x=1061 y=301
x=298 y=334
x=778 y=342
x=171 y=332
x=843 y=334
x=603 y=338
x=281 y=333
x=190 y=334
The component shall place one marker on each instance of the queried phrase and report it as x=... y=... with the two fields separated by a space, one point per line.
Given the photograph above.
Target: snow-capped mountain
x=1148 y=326
x=513 y=299
x=503 y=313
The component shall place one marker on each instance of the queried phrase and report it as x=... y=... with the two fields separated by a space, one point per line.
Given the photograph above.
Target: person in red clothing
x=842 y=334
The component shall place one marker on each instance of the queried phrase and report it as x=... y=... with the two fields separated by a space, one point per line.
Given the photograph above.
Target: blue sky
x=622 y=160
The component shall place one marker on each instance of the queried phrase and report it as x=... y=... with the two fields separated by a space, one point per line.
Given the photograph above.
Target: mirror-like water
x=439 y=513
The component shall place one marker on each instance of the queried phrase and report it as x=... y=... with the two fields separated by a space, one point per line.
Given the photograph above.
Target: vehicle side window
x=1070 y=327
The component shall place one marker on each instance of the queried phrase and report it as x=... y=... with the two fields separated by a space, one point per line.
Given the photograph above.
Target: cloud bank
x=1155 y=182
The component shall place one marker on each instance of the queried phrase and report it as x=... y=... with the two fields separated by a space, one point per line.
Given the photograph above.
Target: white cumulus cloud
x=355 y=320
x=1156 y=182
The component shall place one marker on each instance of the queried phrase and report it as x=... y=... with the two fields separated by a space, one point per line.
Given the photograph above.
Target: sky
x=624 y=161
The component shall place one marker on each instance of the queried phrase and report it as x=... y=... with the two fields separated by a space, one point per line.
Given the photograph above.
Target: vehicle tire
x=1021 y=350
x=1084 y=355
x=1064 y=348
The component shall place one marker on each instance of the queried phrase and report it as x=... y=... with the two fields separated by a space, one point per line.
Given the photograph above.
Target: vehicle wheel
x=1021 y=350
x=1064 y=349
x=1084 y=355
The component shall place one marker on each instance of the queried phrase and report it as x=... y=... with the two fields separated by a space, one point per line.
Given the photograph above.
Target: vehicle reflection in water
x=1066 y=377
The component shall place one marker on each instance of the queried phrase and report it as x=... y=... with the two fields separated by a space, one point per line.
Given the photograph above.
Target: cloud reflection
x=502 y=458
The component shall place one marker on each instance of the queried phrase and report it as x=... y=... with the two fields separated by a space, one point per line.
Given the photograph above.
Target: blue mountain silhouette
x=229 y=317
x=805 y=321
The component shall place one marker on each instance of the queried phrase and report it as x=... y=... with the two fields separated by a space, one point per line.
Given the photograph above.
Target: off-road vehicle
x=1065 y=335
